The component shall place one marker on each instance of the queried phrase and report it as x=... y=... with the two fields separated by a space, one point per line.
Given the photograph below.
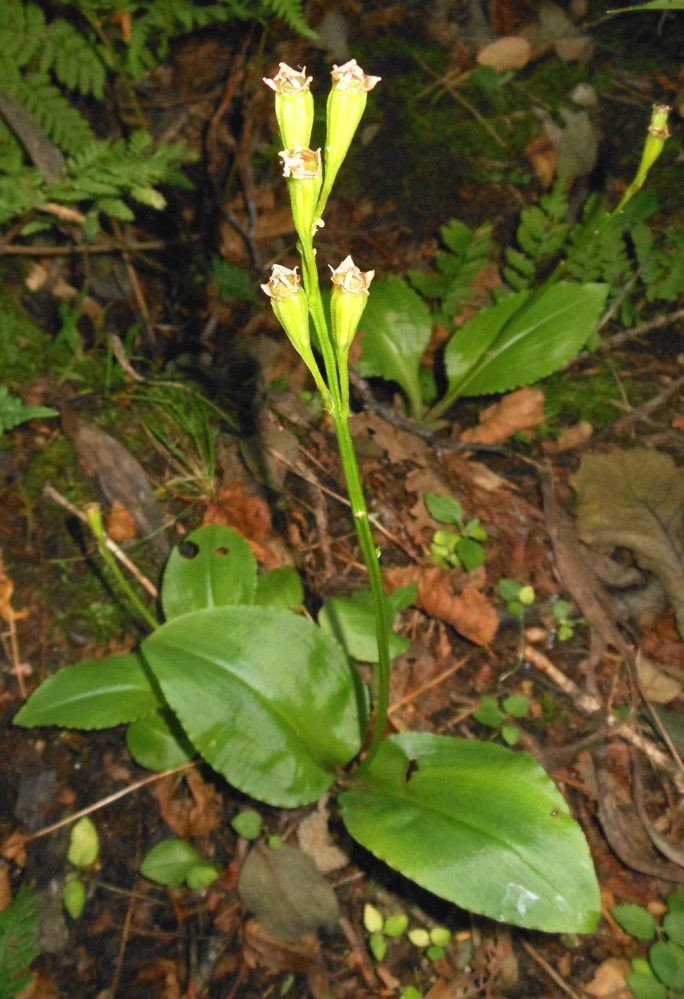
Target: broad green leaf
x=95 y=694
x=158 y=743
x=507 y=346
x=267 y=698
x=653 y=5
x=479 y=825
x=396 y=324
x=214 y=567
x=280 y=587
x=635 y=920
x=351 y=620
x=171 y=862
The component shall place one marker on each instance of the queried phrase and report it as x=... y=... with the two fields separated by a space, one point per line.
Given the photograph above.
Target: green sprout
x=660 y=975
x=500 y=716
x=463 y=547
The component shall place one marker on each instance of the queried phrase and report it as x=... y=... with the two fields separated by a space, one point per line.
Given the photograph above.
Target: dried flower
x=290 y=305
x=294 y=105
x=302 y=167
x=346 y=104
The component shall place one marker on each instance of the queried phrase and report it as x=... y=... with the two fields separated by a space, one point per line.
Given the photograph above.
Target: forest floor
x=259 y=457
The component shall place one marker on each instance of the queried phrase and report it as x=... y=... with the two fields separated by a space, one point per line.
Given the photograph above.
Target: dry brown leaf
x=543 y=159
x=286 y=892
x=505 y=54
x=5 y=890
x=247 y=514
x=186 y=815
x=316 y=842
x=300 y=958
x=469 y=612
x=120 y=524
x=635 y=500
x=519 y=410
x=654 y=683
x=570 y=438
x=609 y=980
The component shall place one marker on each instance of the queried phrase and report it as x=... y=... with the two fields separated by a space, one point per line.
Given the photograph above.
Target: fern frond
x=21 y=31
x=290 y=13
x=59 y=118
x=18 y=942
x=73 y=59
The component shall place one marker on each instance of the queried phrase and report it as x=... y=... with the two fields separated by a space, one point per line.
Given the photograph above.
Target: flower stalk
x=297 y=301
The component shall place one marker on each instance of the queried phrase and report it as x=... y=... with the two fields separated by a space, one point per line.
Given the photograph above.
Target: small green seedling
x=13 y=411
x=661 y=974
x=84 y=850
x=379 y=929
x=566 y=624
x=173 y=861
x=517 y=596
x=499 y=715
x=453 y=548
x=248 y=824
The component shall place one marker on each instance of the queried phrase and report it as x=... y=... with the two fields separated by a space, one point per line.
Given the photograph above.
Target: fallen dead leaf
x=195 y=814
x=519 y=410
x=469 y=611
x=570 y=438
x=316 y=842
x=654 y=682
x=505 y=54
x=120 y=525
x=247 y=514
x=609 y=980
x=303 y=957
x=635 y=500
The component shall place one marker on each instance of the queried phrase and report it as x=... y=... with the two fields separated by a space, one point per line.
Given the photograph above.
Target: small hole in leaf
x=221 y=552
x=188 y=549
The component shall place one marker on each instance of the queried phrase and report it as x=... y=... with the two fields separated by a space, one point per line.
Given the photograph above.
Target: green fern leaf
x=75 y=61
x=18 y=942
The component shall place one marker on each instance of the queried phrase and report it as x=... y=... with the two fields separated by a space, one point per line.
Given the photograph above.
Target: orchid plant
x=273 y=702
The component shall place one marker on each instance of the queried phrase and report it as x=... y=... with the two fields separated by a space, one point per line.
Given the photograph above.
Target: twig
x=85 y=249
x=103 y=802
x=449 y=87
x=646 y=409
x=50 y=492
x=590 y=705
x=403 y=423
x=428 y=686
x=359 y=951
x=551 y=972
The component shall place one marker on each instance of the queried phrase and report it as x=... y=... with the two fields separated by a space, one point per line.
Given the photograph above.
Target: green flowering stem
x=380 y=680
x=658 y=133
x=94 y=519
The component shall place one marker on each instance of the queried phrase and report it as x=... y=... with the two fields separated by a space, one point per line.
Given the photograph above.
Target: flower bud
x=346 y=104
x=290 y=305
x=303 y=169
x=294 y=106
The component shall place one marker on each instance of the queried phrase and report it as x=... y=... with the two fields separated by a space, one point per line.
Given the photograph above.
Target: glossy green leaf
x=480 y=825
x=214 y=567
x=507 y=345
x=396 y=326
x=281 y=588
x=94 y=694
x=351 y=620
x=158 y=743
x=268 y=699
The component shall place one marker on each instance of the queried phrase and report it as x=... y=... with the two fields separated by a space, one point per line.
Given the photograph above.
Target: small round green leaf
x=248 y=824
x=395 y=925
x=479 y=825
x=281 y=588
x=635 y=920
x=74 y=897
x=268 y=699
x=517 y=705
x=372 y=918
x=169 y=862
x=444 y=508
x=201 y=876
x=667 y=960
x=214 y=567
x=644 y=985
x=673 y=924
x=378 y=946
x=84 y=843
